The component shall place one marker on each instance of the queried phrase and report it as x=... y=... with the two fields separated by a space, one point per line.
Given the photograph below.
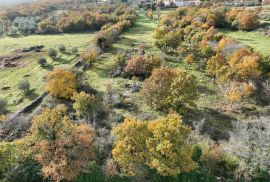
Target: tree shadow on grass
x=32 y=95
x=204 y=90
x=215 y=123
x=49 y=67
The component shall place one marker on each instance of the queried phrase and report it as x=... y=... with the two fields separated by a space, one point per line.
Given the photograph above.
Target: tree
x=248 y=20
x=46 y=26
x=42 y=61
x=167 y=40
x=189 y=60
x=183 y=92
x=169 y=89
x=217 y=67
x=234 y=96
x=130 y=150
x=160 y=144
x=83 y=103
x=62 y=148
x=52 y=53
x=61 y=83
x=140 y=65
x=24 y=86
x=244 y=65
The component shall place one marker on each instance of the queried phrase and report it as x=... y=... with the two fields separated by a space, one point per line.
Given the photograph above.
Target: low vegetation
x=129 y=94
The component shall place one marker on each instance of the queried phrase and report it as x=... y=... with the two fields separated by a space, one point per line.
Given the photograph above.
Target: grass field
x=253 y=39
x=11 y=44
x=10 y=77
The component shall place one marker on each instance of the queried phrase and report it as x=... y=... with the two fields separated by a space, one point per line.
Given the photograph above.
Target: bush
x=89 y=57
x=52 y=53
x=3 y=105
x=142 y=66
x=24 y=86
x=248 y=20
x=61 y=48
x=42 y=61
x=74 y=50
x=61 y=83
x=83 y=103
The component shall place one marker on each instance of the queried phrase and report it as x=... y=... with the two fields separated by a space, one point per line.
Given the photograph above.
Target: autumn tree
x=62 y=148
x=140 y=65
x=89 y=57
x=130 y=150
x=161 y=144
x=244 y=65
x=61 y=83
x=217 y=67
x=170 y=89
x=167 y=40
x=83 y=103
x=248 y=20
x=189 y=60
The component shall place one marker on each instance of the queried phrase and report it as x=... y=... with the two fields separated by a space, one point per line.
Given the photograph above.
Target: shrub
x=52 y=53
x=42 y=61
x=3 y=118
x=150 y=14
x=89 y=57
x=169 y=89
x=248 y=20
x=232 y=14
x=61 y=48
x=190 y=59
x=83 y=103
x=3 y=105
x=61 y=83
x=168 y=41
x=74 y=50
x=24 y=86
x=120 y=60
x=46 y=26
x=142 y=66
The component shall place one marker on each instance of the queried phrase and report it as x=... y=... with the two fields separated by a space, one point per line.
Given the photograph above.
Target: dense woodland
x=155 y=125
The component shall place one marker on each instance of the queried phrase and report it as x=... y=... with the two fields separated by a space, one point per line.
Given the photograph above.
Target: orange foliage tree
x=142 y=66
x=61 y=83
x=62 y=148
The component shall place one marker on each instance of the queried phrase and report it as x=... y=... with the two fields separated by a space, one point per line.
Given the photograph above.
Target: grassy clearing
x=9 y=77
x=253 y=39
x=11 y=44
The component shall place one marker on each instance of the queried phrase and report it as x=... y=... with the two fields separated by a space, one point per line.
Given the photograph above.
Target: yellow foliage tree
x=234 y=96
x=217 y=67
x=130 y=150
x=190 y=59
x=62 y=148
x=160 y=144
x=89 y=57
x=61 y=83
